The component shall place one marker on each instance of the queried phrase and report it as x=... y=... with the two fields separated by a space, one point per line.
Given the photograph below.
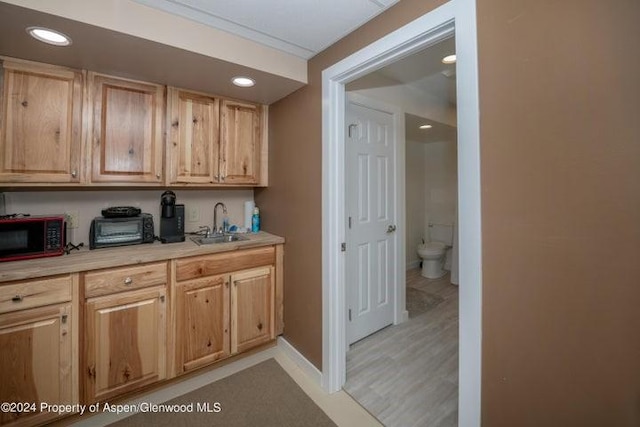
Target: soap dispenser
x=255 y=220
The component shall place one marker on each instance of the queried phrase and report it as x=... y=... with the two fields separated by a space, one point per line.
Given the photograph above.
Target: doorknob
x=391 y=229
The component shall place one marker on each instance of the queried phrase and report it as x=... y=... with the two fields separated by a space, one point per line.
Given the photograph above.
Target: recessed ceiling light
x=426 y=127
x=49 y=36
x=243 y=81
x=450 y=59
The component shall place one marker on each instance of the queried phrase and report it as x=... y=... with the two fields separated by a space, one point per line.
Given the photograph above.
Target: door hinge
x=343 y=247
x=349 y=315
x=349 y=222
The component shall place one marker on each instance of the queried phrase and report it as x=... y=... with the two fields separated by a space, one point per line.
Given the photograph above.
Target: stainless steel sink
x=224 y=238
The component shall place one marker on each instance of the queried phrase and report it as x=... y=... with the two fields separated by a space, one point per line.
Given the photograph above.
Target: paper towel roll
x=248 y=213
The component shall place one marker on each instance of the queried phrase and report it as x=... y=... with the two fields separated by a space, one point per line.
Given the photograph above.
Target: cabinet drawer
x=35 y=293
x=113 y=280
x=207 y=265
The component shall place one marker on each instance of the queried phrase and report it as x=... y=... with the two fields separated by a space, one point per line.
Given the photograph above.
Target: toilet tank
x=441 y=233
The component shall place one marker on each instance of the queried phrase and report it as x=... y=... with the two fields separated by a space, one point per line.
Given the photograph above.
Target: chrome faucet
x=217 y=230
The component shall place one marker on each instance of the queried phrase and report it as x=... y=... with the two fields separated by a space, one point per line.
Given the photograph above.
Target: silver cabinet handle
x=391 y=229
x=128 y=281
x=158 y=175
x=74 y=173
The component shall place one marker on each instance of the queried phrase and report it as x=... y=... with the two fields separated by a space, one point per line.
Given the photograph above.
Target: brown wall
x=560 y=152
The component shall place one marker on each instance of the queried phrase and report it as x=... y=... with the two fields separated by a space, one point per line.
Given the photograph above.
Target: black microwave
x=32 y=237
x=121 y=231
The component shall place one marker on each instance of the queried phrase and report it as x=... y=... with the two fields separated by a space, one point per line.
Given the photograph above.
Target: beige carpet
x=263 y=395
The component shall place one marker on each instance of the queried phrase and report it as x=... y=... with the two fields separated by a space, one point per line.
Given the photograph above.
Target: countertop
x=86 y=259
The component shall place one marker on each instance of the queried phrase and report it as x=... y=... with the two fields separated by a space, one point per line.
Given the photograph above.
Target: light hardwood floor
x=407 y=375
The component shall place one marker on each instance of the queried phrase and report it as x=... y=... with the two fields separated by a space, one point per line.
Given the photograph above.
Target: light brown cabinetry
x=40 y=124
x=38 y=347
x=252 y=313
x=215 y=141
x=193 y=145
x=134 y=329
x=202 y=321
x=51 y=133
x=126 y=130
x=125 y=332
x=224 y=305
x=240 y=142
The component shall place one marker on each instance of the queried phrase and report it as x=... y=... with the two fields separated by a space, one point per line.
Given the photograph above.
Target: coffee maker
x=171 y=219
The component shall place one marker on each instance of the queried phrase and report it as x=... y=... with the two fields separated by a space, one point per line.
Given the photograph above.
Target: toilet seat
x=431 y=249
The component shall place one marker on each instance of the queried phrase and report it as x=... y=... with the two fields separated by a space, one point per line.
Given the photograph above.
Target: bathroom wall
x=416 y=199
x=441 y=182
x=88 y=205
x=431 y=190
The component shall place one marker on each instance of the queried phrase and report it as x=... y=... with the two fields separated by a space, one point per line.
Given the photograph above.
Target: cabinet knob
x=74 y=173
x=222 y=178
x=128 y=281
x=158 y=175
x=17 y=298
x=217 y=177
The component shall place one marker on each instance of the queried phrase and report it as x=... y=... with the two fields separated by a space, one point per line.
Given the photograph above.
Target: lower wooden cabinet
x=225 y=305
x=133 y=325
x=252 y=313
x=125 y=342
x=202 y=322
x=36 y=361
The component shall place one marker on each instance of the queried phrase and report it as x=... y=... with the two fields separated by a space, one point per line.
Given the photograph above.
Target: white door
x=370 y=230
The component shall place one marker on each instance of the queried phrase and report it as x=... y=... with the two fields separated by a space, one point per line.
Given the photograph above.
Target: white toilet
x=434 y=253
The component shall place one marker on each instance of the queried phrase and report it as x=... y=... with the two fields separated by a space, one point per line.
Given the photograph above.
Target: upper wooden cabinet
x=240 y=138
x=215 y=141
x=40 y=124
x=65 y=127
x=126 y=131
x=193 y=144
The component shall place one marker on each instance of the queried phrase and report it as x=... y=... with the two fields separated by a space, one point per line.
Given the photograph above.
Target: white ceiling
x=299 y=27
x=425 y=71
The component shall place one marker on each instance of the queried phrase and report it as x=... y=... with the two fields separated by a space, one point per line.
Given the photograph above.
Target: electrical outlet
x=73 y=219
x=193 y=214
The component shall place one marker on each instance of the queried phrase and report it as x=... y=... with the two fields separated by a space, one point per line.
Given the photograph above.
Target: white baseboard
x=307 y=367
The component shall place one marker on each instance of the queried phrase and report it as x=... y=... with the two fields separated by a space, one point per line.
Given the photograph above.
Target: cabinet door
x=35 y=359
x=125 y=342
x=193 y=138
x=252 y=314
x=202 y=322
x=126 y=136
x=40 y=125
x=240 y=143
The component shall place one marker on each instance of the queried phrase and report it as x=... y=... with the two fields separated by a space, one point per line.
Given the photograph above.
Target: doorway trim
x=454 y=17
